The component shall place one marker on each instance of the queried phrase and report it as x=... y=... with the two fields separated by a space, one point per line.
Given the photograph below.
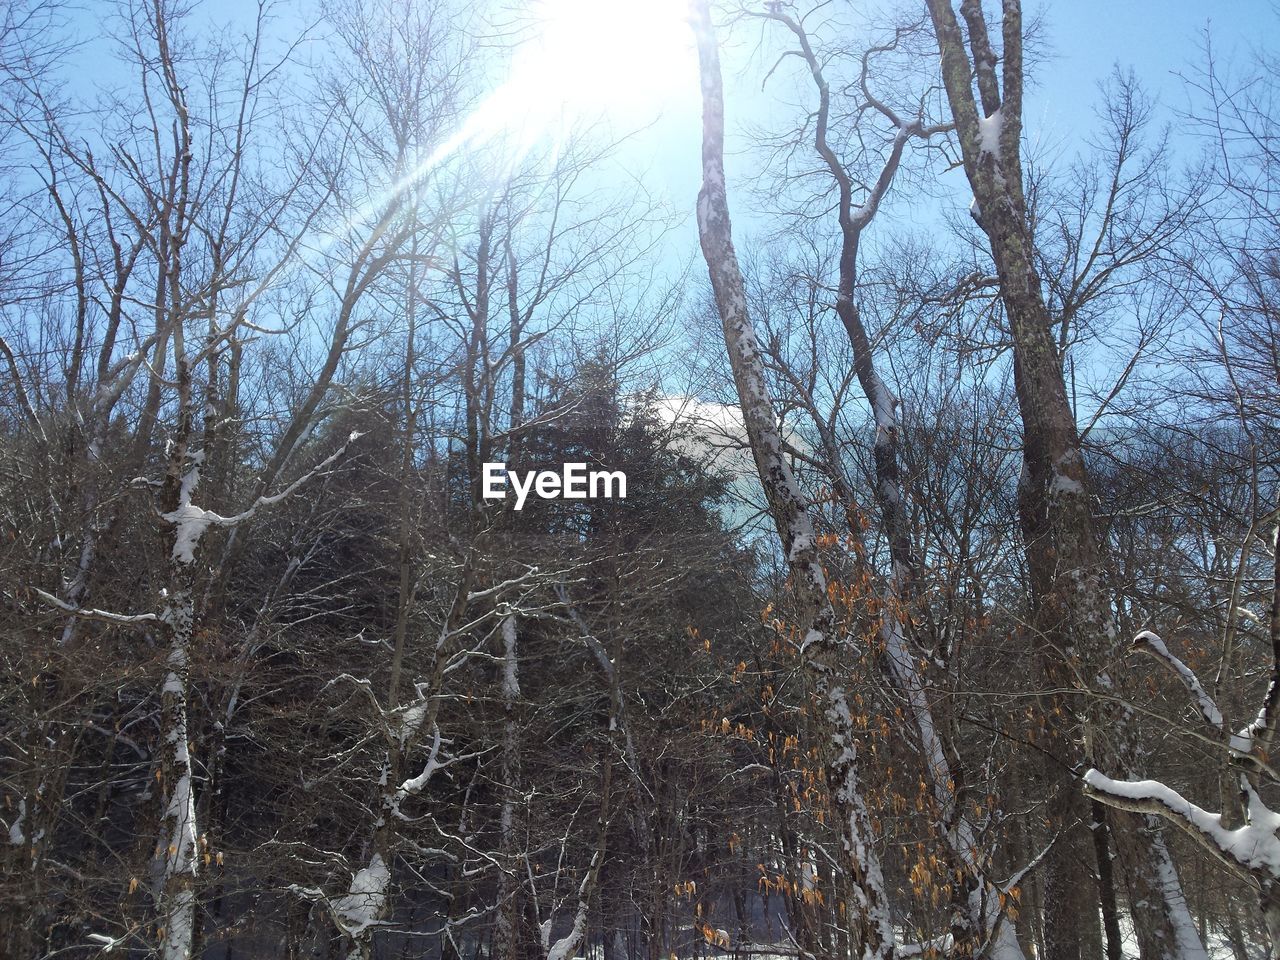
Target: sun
x=621 y=59
x=579 y=63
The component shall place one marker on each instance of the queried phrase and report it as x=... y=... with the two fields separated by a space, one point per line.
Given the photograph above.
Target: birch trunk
x=178 y=824
x=178 y=897
x=506 y=936
x=177 y=852
x=827 y=654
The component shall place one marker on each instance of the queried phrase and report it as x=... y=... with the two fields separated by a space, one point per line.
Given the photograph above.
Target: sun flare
x=606 y=54
x=621 y=59
x=623 y=62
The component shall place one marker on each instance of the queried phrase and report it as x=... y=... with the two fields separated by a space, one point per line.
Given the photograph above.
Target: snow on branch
x=190 y=521
x=365 y=900
x=103 y=616
x=1253 y=847
x=362 y=906
x=1241 y=743
x=415 y=784
x=1149 y=643
x=564 y=948
x=108 y=943
x=928 y=948
x=503 y=586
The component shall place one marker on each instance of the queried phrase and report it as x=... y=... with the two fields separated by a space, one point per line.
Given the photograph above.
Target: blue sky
x=1156 y=38
x=1085 y=39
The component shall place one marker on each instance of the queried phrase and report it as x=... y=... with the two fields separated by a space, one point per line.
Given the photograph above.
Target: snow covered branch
x=1251 y=848
x=1242 y=744
x=103 y=616
x=1151 y=644
x=190 y=521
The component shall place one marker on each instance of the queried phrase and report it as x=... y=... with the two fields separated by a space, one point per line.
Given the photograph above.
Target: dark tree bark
x=1072 y=613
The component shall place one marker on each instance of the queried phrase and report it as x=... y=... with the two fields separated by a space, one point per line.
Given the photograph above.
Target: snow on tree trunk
x=357 y=912
x=827 y=655
x=178 y=825
x=177 y=849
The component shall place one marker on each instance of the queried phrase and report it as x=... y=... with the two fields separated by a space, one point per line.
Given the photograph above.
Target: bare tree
x=819 y=634
x=1064 y=556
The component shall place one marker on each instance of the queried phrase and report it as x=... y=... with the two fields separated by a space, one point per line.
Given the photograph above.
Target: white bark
x=505 y=934
x=825 y=650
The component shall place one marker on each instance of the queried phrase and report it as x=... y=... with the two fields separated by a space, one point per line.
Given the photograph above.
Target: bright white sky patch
x=578 y=62
x=612 y=57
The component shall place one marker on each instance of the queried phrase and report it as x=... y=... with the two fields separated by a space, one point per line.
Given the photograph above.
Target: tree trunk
x=827 y=653
x=1106 y=879
x=1072 y=613
x=507 y=935
x=1269 y=901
